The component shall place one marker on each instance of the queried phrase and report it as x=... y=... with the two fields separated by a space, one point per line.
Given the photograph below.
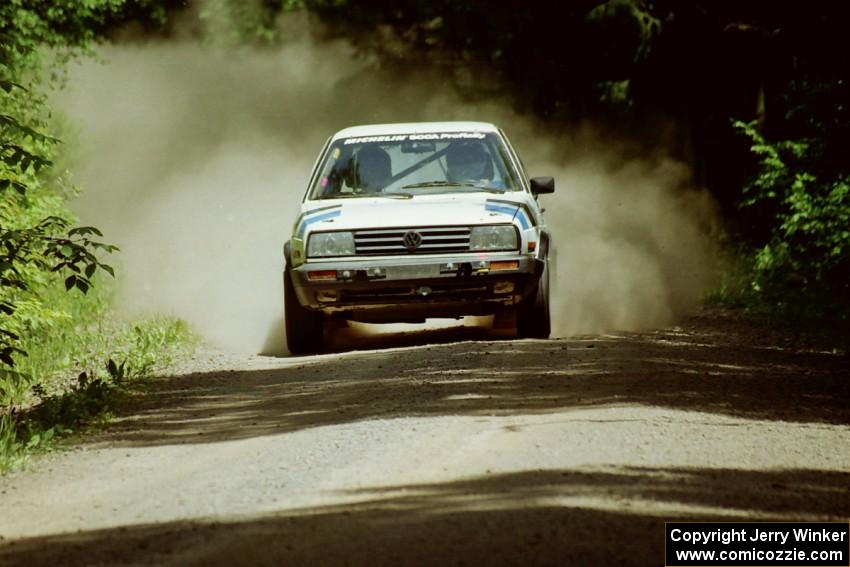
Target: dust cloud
x=634 y=241
x=633 y=251
x=194 y=160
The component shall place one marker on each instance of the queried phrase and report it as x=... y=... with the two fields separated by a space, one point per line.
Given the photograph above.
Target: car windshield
x=405 y=165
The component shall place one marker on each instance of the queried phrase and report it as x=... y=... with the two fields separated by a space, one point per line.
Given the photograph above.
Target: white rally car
x=403 y=222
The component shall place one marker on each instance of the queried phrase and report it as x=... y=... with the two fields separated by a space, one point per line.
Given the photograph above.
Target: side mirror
x=541 y=185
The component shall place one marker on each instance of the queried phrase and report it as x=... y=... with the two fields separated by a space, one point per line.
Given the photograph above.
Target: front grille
x=435 y=240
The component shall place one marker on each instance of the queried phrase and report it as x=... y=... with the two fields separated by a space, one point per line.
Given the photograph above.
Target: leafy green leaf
x=7 y=86
x=82 y=285
x=84 y=230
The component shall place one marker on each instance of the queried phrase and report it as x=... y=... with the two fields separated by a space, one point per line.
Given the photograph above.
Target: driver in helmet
x=468 y=162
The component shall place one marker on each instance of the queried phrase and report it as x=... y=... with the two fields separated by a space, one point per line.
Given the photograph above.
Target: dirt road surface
x=449 y=447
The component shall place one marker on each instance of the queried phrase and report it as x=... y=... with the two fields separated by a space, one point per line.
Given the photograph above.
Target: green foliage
x=105 y=360
x=16 y=444
x=66 y=26
x=232 y=23
x=235 y=23
x=76 y=372
x=54 y=323
x=634 y=26
x=37 y=243
x=70 y=334
x=802 y=265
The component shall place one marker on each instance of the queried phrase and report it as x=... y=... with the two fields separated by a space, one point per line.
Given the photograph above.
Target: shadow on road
x=529 y=518
x=702 y=367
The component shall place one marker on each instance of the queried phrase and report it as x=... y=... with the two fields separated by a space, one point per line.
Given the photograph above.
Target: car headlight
x=493 y=238
x=331 y=244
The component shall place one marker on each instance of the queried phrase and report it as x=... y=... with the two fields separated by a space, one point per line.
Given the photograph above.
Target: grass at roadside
x=80 y=357
x=811 y=319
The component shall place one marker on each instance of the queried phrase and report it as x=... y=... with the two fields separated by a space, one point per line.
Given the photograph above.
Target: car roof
x=414 y=128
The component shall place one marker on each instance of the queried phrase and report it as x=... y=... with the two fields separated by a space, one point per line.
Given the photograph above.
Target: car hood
x=421 y=210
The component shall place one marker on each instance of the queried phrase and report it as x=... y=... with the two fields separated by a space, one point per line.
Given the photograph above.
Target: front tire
x=304 y=328
x=532 y=315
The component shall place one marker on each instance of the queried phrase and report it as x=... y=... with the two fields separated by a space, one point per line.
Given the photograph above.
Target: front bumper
x=399 y=288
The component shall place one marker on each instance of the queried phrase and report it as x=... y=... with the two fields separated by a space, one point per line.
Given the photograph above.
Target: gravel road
x=449 y=446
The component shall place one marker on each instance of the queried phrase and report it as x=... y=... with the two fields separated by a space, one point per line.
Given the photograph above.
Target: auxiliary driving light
x=504 y=265
x=320 y=275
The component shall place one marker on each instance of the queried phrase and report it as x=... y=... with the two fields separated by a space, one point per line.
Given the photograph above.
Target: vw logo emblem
x=412 y=240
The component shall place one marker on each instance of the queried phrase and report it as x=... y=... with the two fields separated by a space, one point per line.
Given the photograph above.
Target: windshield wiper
x=435 y=184
x=452 y=184
x=390 y=195
x=339 y=196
